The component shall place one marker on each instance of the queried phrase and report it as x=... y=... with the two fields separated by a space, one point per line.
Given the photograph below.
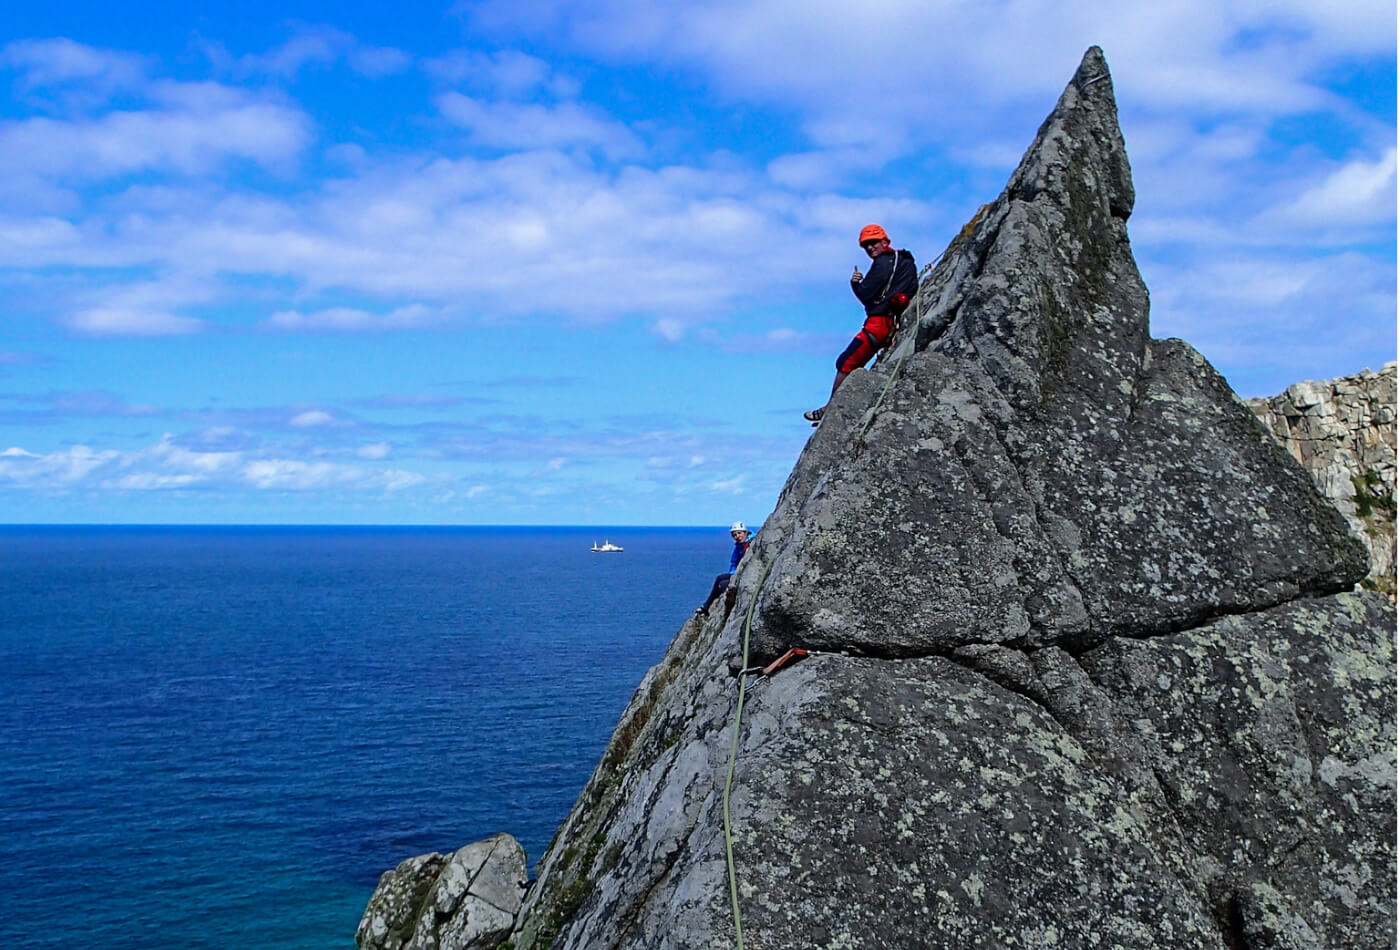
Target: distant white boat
x=607 y=548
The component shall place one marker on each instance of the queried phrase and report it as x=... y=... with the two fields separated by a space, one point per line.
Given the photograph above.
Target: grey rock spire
x=1091 y=676
x=1029 y=467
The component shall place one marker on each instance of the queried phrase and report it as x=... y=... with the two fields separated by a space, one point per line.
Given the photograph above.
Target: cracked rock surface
x=1040 y=471
x=464 y=901
x=1090 y=672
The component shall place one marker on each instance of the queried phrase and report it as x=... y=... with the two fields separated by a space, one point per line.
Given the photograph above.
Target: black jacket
x=876 y=288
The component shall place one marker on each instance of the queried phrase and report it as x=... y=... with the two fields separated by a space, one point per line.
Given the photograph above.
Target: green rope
x=733 y=754
x=748 y=623
x=899 y=364
x=743 y=682
x=958 y=241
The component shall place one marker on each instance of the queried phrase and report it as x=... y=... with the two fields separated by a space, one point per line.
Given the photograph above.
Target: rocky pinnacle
x=1087 y=669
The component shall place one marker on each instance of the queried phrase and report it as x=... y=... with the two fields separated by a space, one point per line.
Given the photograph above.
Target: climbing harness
x=918 y=302
x=899 y=364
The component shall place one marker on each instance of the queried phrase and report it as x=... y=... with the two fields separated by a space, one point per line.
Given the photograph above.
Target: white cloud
x=349 y=319
x=538 y=232
x=57 y=469
x=671 y=463
x=184 y=140
x=1357 y=193
x=376 y=451
x=1237 y=306
x=290 y=474
x=311 y=418
x=507 y=73
x=518 y=125
x=325 y=46
x=963 y=75
x=350 y=155
x=318 y=48
x=733 y=486
x=200 y=463
x=822 y=56
x=550 y=226
x=823 y=169
x=166 y=466
x=31 y=240
x=117 y=321
x=777 y=340
x=669 y=329
x=375 y=61
x=1358 y=26
x=150 y=481
x=150 y=308
x=61 y=61
x=294 y=475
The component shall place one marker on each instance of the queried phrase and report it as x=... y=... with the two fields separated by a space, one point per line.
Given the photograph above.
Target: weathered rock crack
x=1097 y=684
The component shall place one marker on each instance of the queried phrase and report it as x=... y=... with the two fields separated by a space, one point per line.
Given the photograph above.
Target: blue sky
x=552 y=263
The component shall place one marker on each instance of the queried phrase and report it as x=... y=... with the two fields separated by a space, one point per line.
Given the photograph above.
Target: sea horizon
x=230 y=731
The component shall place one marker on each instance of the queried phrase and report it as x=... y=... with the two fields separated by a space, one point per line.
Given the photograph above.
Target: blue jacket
x=876 y=288
x=740 y=547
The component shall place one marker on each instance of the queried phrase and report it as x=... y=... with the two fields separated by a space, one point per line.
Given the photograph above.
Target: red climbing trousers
x=869 y=341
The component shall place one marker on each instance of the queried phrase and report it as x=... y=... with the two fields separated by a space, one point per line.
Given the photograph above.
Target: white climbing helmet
x=738 y=526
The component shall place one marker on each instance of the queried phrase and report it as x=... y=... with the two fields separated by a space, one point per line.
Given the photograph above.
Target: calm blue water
x=219 y=737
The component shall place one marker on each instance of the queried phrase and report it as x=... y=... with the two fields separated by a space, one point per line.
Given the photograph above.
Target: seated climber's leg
x=870 y=340
x=721 y=584
x=853 y=357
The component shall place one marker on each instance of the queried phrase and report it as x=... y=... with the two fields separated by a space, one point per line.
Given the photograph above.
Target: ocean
x=220 y=737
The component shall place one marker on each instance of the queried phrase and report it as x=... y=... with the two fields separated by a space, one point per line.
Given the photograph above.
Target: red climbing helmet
x=873 y=232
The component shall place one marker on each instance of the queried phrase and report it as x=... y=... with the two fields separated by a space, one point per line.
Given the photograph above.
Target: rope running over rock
x=733 y=754
x=748 y=624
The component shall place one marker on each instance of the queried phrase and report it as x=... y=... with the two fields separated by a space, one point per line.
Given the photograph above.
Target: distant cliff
x=1343 y=433
x=1086 y=667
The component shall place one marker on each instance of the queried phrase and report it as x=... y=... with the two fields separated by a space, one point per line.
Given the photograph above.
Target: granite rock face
x=1040 y=471
x=1087 y=667
x=465 y=901
x=1343 y=433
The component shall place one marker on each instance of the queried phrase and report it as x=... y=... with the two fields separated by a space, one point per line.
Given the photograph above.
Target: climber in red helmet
x=885 y=292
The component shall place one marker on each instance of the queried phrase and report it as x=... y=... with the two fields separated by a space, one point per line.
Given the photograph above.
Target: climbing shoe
x=814 y=415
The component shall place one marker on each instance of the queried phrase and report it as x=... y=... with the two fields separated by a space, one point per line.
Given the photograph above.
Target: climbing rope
x=744 y=671
x=733 y=755
x=748 y=624
x=918 y=301
x=899 y=364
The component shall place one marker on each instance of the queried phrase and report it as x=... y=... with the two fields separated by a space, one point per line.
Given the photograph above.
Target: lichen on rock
x=1039 y=470
x=464 y=901
x=1087 y=669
